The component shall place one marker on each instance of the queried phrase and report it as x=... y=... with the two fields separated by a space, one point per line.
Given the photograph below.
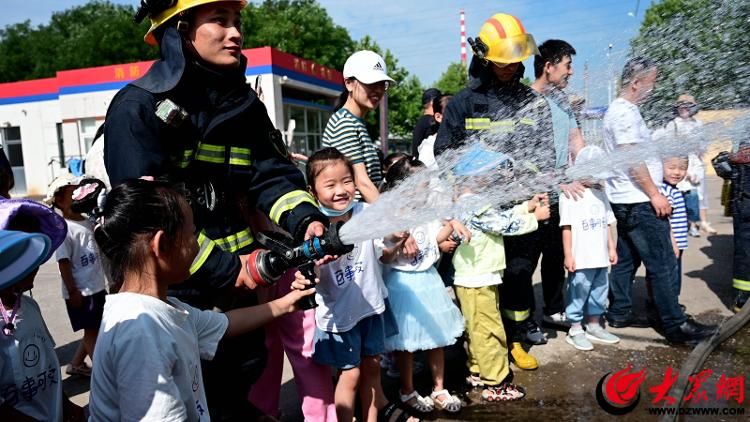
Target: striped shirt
x=348 y=134
x=678 y=220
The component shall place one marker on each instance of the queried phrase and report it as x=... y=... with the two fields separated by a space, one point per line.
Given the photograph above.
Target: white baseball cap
x=367 y=67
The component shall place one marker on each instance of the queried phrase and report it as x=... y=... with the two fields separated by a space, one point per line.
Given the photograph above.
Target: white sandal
x=420 y=404
x=452 y=404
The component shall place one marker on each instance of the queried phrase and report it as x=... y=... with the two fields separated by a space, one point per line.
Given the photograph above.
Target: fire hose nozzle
x=266 y=266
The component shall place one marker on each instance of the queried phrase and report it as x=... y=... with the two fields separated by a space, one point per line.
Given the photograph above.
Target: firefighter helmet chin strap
x=152 y=7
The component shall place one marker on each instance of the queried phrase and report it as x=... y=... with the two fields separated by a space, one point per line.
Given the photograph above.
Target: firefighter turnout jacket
x=208 y=131
x=506 y=116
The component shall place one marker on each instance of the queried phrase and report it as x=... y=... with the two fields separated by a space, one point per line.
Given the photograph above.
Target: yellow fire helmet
x=176 y=7
x=503 y=39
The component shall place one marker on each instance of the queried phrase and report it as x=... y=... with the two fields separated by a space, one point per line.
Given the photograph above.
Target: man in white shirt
x=641 y=212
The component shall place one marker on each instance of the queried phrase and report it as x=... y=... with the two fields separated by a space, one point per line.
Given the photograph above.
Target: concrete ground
x=564 y=384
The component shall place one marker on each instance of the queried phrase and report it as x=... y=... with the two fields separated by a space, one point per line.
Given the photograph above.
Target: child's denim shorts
x=345 y=350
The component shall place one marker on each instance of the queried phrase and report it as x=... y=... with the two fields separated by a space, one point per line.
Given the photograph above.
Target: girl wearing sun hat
x=29 y=234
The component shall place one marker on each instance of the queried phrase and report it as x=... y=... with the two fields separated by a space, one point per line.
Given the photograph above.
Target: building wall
x=77 y=102
x=38 y=125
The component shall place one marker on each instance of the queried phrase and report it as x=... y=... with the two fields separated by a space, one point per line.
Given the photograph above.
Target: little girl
x=426 y=316
x=84 y=283
x=150 y=346
x=351 y=317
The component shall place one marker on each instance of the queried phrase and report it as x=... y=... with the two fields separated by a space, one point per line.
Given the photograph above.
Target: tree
x=404 y=106
x=300 y=27
x=454 y=79
x=97 y=33
x=701 y=48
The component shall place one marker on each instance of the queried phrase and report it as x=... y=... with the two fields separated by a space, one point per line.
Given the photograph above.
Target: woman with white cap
x=365 y=82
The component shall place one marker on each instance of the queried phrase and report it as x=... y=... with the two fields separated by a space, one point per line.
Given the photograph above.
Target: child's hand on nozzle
x=301 y=282
x=289 y=301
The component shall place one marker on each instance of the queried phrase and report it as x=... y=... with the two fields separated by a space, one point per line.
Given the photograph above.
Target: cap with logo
x=367 y=67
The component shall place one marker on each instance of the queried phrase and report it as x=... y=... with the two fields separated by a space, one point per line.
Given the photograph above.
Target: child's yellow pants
x=488 y=347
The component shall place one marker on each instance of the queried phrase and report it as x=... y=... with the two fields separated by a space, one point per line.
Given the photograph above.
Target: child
x=147 y=362
x=83 y=280
x=426 y=317
x=589 y=248
x=479 y=269
x=675 y=170
x=27 y=350
x=351 y=313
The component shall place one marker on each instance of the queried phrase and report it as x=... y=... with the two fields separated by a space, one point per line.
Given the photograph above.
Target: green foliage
x=100 y=33
x=701 y=48
x=454 y=79
x=299 y=27
x=404 y=106
x=97 y=33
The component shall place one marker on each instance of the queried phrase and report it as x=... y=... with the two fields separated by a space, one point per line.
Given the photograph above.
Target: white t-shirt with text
x=29 y=370
x=623 y=126
x=80 y=248
x=147 y=364
x=589 y=219
x=351 y=288
x=426 y=238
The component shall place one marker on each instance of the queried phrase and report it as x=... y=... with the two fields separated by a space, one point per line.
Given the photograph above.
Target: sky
x=425 y=37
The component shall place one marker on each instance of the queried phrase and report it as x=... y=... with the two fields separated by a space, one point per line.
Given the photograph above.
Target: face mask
x=334 y=213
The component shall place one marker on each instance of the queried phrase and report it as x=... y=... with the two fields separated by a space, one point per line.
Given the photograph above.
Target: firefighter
x=501 y=111
x=194 y=120
x=736 y=168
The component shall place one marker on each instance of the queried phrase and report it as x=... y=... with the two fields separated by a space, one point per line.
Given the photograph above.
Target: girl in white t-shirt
x=352 y=319
x=147 y=362
x=83 y=280
x=426 y=316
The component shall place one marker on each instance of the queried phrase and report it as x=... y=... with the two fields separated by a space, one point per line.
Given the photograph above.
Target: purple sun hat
x=50 y=223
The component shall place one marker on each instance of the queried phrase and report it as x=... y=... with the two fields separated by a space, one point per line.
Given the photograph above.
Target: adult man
x=641 y=211
x=552 y=69
x=505 y=114
x=426 y=123
x=193 y=119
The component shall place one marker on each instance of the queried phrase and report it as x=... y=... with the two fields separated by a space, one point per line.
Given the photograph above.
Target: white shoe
x=694 y=232
x=706 y=227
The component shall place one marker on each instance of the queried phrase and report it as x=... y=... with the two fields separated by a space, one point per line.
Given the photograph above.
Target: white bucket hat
x=367 y=67
x=65 y=179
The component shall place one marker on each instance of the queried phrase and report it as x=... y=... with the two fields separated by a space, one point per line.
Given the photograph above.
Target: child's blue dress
x=426 y=316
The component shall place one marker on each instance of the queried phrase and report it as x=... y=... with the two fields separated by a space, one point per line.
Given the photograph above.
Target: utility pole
x=463 y=37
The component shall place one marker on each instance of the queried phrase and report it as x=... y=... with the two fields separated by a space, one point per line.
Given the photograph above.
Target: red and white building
x=45 y=123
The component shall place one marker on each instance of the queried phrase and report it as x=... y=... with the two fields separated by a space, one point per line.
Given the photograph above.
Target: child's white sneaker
x=597 y=333
x=577 y=339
